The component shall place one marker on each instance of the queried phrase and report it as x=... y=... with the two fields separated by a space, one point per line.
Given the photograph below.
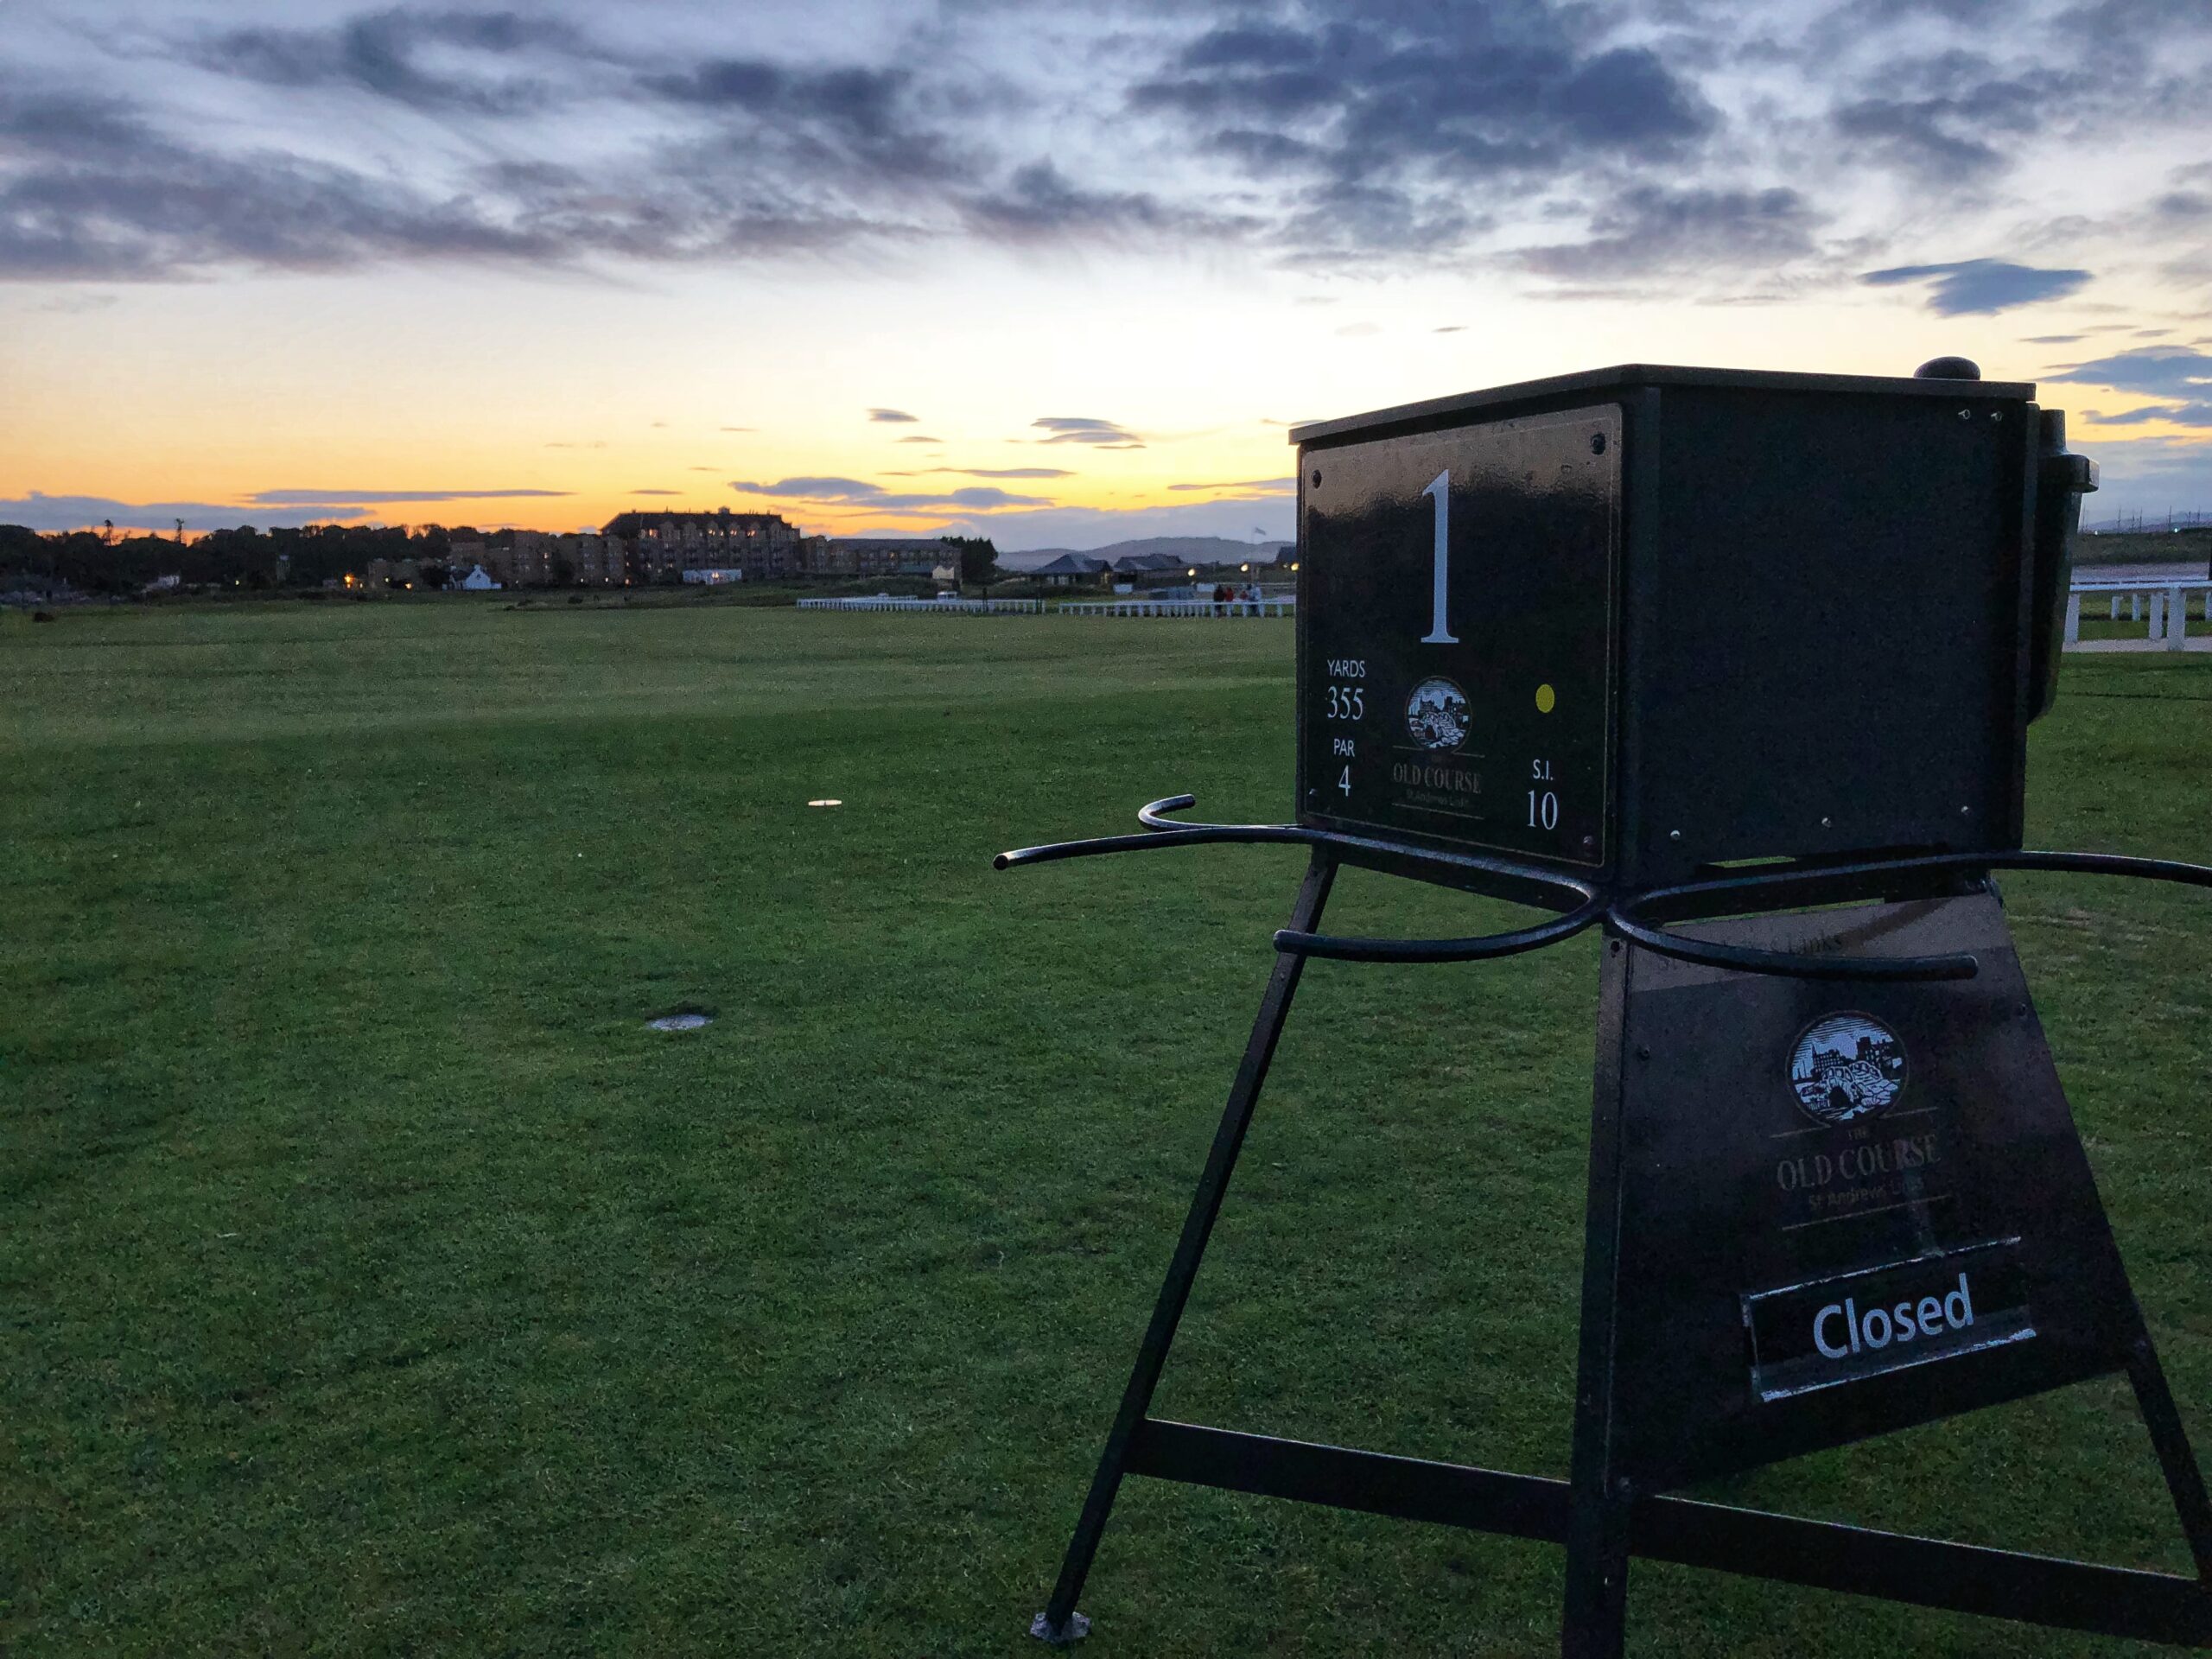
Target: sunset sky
x=1056 y=274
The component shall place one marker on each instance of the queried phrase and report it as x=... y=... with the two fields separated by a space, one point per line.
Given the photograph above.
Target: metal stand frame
x=1603 y=1520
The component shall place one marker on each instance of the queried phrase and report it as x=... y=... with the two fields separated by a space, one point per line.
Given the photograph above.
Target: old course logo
x=1846 y=1067
x=1436 y=715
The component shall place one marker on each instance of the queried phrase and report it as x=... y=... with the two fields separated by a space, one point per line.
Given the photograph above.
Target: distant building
x=712 y=577
x=1071 y=569
x=1147 y=570
x=662 y=546
x=598 y=561
x=879 y=556
x=392 y=573
x=478 y=580
x=532 y=558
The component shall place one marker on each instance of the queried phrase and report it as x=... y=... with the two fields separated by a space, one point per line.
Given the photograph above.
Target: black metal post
x=1592 y=1626
x=1060 y=1622
x=2184 y=1479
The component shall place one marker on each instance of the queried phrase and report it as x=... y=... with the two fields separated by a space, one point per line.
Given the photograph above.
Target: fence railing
x=952 y=607
x=1180 y=607
x=2163 y=601
x=1287 y=607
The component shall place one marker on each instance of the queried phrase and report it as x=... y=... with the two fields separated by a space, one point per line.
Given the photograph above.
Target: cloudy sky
x=1060 y=274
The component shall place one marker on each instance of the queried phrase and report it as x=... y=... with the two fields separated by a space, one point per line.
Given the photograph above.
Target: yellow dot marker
x=1545 y=699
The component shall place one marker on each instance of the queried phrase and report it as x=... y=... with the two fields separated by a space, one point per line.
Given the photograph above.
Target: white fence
x=2165 y=601
x=953 y=606
x=1079 y=607
x=1181 y=607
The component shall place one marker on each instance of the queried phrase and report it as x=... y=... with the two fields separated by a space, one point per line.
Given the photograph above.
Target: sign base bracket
x=1602 y=1518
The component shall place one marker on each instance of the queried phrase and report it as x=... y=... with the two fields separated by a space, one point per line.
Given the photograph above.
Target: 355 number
x=1347 y=702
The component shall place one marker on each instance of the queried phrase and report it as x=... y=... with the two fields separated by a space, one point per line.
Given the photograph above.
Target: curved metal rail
x=1583 y=904
x=1479 y=948
x=1638 y=917
x=1632 y=918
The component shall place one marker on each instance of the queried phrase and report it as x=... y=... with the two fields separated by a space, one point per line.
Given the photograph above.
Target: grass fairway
x=372 y=1280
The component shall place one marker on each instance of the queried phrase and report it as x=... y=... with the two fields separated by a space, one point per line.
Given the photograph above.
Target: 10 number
x=1543 y=804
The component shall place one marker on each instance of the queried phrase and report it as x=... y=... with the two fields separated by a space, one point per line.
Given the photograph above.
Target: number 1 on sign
x=1440 y=491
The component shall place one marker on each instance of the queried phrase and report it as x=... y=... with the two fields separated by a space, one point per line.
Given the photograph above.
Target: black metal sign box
x=1641 y=621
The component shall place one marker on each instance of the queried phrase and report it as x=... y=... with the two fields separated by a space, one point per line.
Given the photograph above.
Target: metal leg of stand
x=2184 y=1478
x=1060 y=1622
x=1592 y=1624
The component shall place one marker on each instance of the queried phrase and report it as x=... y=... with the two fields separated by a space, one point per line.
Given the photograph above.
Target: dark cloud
x=1363 y=93
x=655 y=492
x=836 y=119
x=389 y=54
x=819 y=118
x=892 y=415
x=1956 y=10
x=1981 y=287
x=1083 y=428
x=1952 y=117
x=2134 y=20
x=353 y=498
x=1648 y=229
x=2178 y=414
x=1039 y=202
x=852 y=491
x=1252 y=486
x=1336 y=135
x=1263 y=154
x=99 y=195
x=811 y=489
x=1338 y=224
x=1400 y=128
x=816 y=160
x=1918 y=136
x=2154 y=371
x=71 y=210
x=991 y=472
x=2051 y=339
x=920 y=437
x=737 y=429
x=38 y=511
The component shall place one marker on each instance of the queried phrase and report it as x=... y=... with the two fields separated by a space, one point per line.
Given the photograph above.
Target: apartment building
x=661 y=546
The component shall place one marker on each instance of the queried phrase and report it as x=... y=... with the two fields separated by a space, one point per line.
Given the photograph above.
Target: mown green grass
x=372 y=1280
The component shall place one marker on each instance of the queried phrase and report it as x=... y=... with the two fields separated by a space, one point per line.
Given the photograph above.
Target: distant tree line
x=979 y=559
x=107 y=561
